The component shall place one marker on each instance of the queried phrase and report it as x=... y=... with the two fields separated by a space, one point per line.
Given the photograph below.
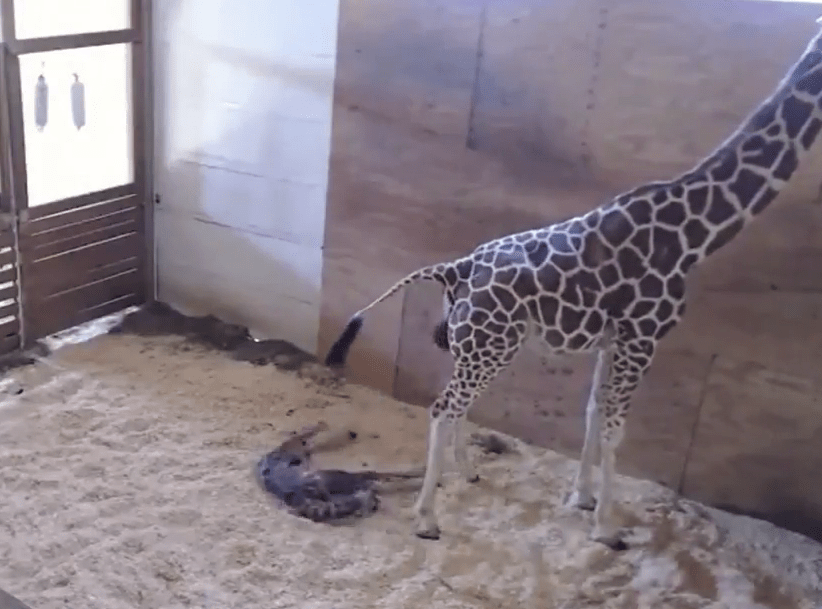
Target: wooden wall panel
x=757 y=447
x=675 y=78
x=535 y=87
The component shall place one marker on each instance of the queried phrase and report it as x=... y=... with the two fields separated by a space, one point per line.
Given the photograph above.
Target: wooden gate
x=76 y=234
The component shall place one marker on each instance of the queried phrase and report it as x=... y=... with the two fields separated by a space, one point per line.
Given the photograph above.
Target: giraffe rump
x=444 y=273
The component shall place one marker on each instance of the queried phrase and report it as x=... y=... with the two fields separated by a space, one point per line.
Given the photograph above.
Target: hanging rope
x=78 y=102
x=41 y=103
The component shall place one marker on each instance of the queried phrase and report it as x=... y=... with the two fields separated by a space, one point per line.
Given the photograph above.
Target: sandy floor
x=125 y=477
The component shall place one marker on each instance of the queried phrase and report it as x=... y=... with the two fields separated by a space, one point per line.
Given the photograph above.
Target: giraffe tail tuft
x=441 y=335
x=339 y=350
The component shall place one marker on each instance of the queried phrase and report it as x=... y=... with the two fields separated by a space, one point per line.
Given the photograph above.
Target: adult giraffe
x=611 y=280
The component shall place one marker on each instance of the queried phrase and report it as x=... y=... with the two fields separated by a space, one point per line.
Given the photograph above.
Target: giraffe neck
x=749 y=169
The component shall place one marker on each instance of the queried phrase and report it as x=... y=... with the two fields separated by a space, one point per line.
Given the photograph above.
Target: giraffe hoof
x=612 y=540
x=582 y=502
x=617 y=545
x=432 y=533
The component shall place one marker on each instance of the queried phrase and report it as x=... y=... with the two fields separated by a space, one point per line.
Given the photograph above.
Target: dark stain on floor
x=159 y=319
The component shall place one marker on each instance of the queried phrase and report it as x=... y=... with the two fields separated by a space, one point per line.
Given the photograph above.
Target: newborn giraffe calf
x=319 y=495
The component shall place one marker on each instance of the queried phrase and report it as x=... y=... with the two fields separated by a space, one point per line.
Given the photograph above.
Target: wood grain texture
x=93 y=202
x=57 y=242
x=11 y=341
x=668 y=88
x=7 y=601
x=47 y=272
x=54 y=313
x=534 y=78
x=780 y=330
x=412 y=62
x=756 y=448
x=68 y=218
x=6 y=238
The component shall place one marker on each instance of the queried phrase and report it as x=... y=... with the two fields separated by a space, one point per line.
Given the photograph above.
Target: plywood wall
x=456 y=121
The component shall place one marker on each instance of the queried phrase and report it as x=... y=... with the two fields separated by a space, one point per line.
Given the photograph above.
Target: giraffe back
x=615 y=267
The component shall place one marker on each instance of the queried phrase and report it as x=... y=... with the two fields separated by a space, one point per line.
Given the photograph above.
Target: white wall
x=243 y=103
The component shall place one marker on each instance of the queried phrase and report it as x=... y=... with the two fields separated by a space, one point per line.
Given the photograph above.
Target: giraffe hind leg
x=442 y=426
x=426 y=526
x=451 y=406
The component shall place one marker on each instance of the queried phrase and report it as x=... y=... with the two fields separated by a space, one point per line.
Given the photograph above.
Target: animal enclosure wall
x=458 y=121
x=242 y=133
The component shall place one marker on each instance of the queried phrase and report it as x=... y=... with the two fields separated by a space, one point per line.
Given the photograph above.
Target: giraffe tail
x=338 y=352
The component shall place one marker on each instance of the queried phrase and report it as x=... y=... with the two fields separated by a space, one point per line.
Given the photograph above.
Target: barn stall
x=281 y=172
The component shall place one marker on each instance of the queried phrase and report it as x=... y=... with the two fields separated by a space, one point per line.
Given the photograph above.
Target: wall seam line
x=695 y=427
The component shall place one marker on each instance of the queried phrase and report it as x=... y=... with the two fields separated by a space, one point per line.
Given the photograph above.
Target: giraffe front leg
x=606 y=529
x=582 y=496
x=424 y=508
x=630 y=361
x=464 y=464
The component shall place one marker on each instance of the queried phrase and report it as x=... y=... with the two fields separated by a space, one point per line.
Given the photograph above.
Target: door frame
x=14 y=204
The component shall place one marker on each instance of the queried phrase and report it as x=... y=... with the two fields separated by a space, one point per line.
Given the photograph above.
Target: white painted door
x=243 y=99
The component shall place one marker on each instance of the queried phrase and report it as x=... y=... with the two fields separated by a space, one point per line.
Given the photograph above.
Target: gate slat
x=80 y=227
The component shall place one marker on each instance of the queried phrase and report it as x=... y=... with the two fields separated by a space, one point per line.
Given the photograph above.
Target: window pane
x=77 y=121
x=40 y=18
